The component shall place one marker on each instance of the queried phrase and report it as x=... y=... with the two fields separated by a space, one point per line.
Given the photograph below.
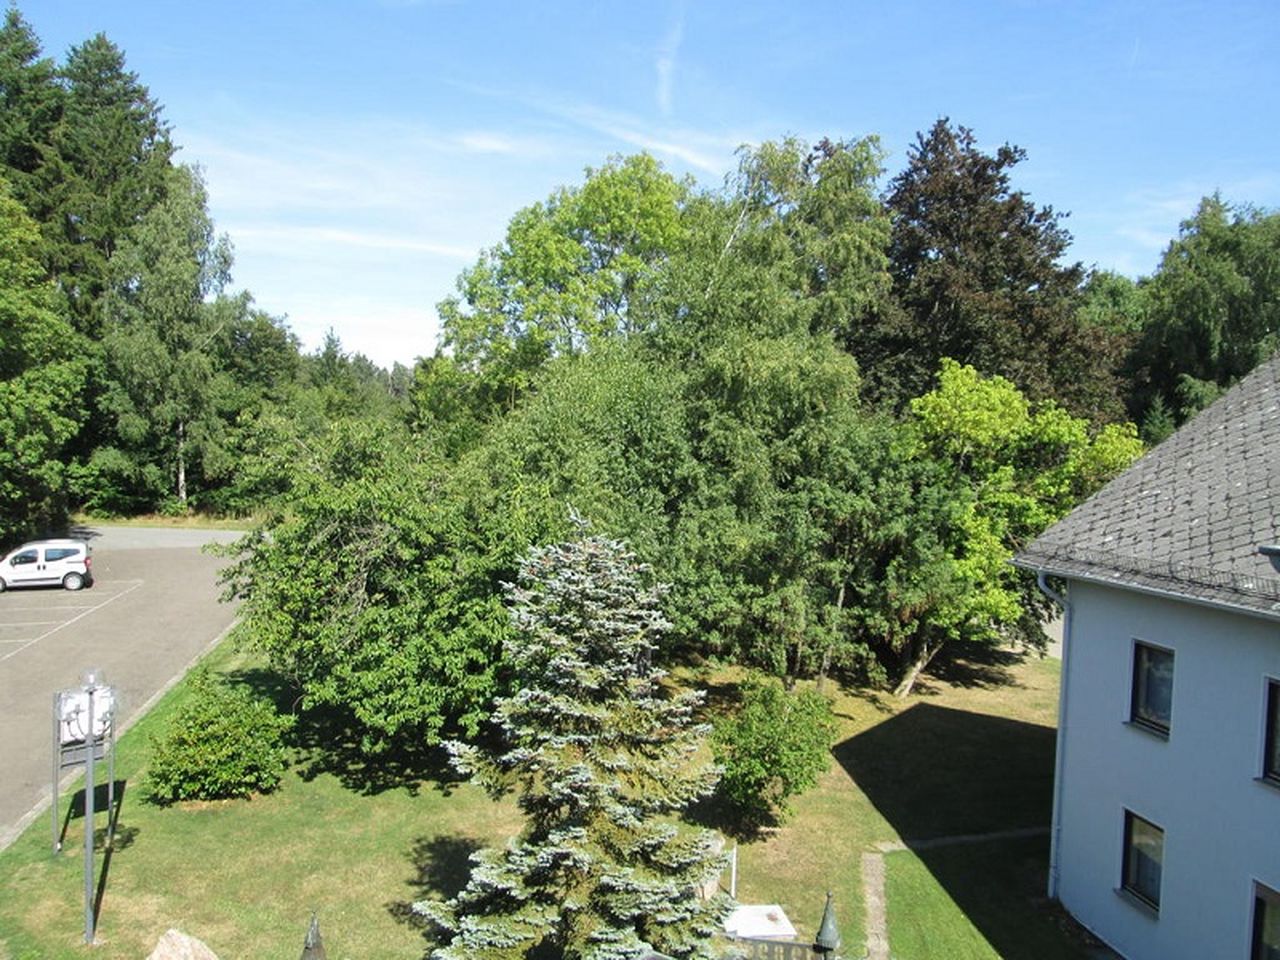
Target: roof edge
x=1119 y=580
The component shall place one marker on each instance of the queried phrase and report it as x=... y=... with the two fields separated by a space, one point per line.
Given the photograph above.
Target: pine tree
x=30 y=106
x=601 y=761
x=109 y=166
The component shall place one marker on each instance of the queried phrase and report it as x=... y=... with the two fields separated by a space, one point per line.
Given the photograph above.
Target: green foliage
x=223 y=743
x=1111 y=302
x=1214 y=308
x=30 y=103
x=794 y=244
x=161 y=324
x=773 y=748
x=1026 y=467
x=42 y=376
x=573 y=271
x=108 y=168
x=374 y=587
x=601 y=760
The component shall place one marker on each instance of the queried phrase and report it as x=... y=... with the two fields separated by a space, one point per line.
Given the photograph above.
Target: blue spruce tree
x=602 y=761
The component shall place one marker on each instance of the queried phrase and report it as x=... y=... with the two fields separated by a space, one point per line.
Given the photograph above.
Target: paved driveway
x=153 y=609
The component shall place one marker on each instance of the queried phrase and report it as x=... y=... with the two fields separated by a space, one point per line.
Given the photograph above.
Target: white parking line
x=67 y=623
x=56 y=606
x=28 y=623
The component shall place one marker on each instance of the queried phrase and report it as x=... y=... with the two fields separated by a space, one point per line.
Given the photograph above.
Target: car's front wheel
x=3 y=585
x=73 y=581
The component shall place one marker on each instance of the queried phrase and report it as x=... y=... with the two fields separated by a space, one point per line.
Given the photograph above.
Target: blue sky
x=361 y=153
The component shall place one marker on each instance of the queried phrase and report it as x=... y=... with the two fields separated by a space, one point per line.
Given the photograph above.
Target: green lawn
x=975 y=902
x=970 y=752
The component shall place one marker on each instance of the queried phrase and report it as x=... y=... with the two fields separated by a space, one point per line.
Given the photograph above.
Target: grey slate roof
x=1188 y=517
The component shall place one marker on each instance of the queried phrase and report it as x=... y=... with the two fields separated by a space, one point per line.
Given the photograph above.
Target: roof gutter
x=1061 y=740
x=1114 y=583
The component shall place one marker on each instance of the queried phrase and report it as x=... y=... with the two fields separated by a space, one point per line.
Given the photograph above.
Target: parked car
x=47 y=563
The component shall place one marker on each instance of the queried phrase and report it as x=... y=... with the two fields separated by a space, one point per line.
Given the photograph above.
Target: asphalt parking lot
x=152 y=610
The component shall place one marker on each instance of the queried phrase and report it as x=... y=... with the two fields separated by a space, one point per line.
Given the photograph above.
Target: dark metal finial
x=828 y=939
x=313 y=946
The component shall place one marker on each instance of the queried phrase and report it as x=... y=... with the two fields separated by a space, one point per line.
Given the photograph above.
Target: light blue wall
x=1222 y=827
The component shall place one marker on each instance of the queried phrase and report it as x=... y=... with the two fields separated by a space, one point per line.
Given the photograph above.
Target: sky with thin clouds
x=361 y=153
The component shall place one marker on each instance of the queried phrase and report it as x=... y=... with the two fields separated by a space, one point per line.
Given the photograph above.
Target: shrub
x=224 y=742
x=773 y=748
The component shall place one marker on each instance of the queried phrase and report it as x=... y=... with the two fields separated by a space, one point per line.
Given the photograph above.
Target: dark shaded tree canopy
x=978 y=277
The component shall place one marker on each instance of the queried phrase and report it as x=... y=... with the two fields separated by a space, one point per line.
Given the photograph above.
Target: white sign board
x=73 y=714
x=760 y=922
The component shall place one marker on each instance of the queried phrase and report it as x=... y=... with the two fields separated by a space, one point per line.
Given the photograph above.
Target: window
x=1143 y=859
x=25 y=557
x=60 y=553
x=1152 y=704
x=1271 y=750
x=1266 y=924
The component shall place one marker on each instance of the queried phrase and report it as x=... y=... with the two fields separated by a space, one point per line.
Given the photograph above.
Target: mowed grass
x=186 y=521
x=244 y=876
x=981 y=901
x=970 y=752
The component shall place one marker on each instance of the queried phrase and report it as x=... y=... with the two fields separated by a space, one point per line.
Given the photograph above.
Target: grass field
x=186 y=521
x=971 y=752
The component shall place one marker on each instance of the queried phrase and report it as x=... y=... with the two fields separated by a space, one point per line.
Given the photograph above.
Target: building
x=1166 y=814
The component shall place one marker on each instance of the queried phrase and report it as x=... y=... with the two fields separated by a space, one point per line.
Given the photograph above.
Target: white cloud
x=708 y=153
x=665 y=64
x=296 y=236
x=363 y=224
x=484 y=141
x=1131 y=234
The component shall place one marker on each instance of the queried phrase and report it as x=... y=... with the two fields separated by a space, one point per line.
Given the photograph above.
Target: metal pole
x=57 y=766
x=88 y=822
x=111 y=784
x=733 y=874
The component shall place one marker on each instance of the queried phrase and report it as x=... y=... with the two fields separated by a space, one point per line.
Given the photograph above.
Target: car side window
x=60 y=553
x=25 y=557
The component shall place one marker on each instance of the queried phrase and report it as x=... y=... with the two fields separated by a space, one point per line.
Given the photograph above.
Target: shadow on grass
x=328 y=741
x=974 y=665
x=442 y=867
x=123 y=836
x=999 y=886
x=936 y=772
x=110 y=839
x=719 y=814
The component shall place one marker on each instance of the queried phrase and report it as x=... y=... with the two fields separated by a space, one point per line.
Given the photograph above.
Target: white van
x=47 y=563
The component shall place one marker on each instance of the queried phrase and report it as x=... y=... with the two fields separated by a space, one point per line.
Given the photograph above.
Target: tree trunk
x=182 y=464
x=822 y=670
x=826 y=654
x=921 y=661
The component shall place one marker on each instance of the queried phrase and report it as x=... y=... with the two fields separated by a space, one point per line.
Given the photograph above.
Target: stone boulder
x=176 y=945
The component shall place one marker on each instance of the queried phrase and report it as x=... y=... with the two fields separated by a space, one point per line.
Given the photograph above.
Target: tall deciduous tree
x=163 y=321
x=1025 y=466
x=794 y=244
x=601 y=759
x=42 y=374
x=373 y=586
x=978 y=276
x=1214 y=308
x=573 y=270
